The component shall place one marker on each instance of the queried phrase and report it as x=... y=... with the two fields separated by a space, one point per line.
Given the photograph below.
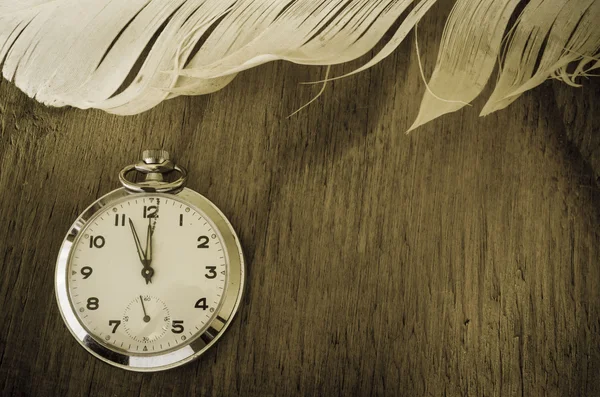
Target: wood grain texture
x=460 y=260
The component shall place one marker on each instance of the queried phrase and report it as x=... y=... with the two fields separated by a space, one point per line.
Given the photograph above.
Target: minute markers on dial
x=183 y=265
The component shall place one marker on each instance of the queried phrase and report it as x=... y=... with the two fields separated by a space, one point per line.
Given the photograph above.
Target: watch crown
x=155 y=156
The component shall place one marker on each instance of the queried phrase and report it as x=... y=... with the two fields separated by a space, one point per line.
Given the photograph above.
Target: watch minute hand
x=138 y=245
x=147 y=271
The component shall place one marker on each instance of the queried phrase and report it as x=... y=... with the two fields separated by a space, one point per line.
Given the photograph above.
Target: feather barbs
x=126 y=57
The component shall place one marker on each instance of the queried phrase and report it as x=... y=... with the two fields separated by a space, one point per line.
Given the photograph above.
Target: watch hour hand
x=148 y=251
x=147 y=271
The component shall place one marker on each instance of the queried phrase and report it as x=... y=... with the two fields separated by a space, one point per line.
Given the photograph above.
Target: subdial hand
x=146 y=316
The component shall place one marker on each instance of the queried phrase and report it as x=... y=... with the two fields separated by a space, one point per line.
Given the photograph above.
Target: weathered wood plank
x=459 y=260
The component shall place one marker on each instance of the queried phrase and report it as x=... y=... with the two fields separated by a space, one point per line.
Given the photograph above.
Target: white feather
x=127 y=56
x=547 y=37
x=467 y=57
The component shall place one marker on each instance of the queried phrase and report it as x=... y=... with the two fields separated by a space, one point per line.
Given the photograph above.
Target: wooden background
x=460 y=260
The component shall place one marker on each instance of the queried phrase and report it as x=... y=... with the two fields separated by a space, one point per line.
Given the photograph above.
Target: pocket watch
x=150 y=275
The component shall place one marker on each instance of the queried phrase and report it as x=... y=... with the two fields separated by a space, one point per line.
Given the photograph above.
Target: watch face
x=149 y=280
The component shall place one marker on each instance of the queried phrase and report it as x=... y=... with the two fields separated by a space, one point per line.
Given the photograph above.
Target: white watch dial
x=147 y=274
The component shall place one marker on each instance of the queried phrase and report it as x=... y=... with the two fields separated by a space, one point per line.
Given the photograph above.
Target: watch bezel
x=187 y=352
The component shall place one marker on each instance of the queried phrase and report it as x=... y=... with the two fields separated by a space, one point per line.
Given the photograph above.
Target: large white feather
x=468 y=54
x=127 y=56
x=549 y=35
x=544 y=40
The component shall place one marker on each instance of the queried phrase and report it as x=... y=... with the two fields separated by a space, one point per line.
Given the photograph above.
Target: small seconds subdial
x=146 y=319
